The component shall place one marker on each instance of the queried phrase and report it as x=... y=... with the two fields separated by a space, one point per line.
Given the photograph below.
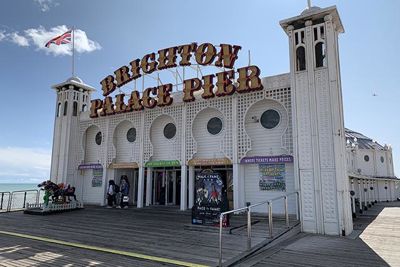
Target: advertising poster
x=210 y=199
x=97 y=180
x=272 y=177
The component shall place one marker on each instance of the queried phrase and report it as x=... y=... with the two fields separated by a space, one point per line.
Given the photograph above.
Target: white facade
x=307 y=101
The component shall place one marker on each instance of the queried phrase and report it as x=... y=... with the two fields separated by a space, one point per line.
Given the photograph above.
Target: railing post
x=220 y=239
x=248 y=228
x=2 y=196
x=297 y=206
x=270 y=218
x=286 y=211
x=24 y=200
x=10 y=199
x=37 y=196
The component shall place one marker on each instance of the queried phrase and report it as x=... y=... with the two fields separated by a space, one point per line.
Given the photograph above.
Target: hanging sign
x=210 y=199
x=272 y=177
x=205 y=54
x=267 y=159
x=97 y=180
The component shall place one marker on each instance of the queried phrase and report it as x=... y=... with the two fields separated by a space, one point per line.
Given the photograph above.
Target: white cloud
x=46 y=4
x=40 y=36
x=19 y=164
x=2 y=36
x=18 y=39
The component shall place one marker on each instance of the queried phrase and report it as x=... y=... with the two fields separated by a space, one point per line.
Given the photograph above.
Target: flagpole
x=73 y=51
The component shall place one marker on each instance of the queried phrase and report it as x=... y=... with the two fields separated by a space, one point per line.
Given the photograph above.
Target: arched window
x=58 y=109
x=300 y=58
x=320 y=60
x=83 y=107
x=65 y=108
x=75 y=109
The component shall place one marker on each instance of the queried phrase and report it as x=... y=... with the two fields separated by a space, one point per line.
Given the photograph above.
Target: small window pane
x=214 y=126
x=382 y=159
x=169 y=131
x=366 y=158
x=75 y=109
x=65 y=108
x=270 y=119
x=131 y=135
x=98 y=138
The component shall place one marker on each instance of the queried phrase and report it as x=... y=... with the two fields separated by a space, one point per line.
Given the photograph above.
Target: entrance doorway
x=132 y=175
x=166 y=186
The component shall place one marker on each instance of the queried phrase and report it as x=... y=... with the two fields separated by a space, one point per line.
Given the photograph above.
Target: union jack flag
x=64 y=38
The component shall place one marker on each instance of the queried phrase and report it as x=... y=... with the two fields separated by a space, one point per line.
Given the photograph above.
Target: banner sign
x=124 y=165
x=209 y=162
x=163 y=163
x=272 y=177
x=210 y=199
x=90 y=166
x=268 y=159
x=97 y=180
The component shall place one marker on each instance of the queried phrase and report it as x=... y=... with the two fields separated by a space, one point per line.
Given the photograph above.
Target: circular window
x=98 y=138
x=131 y=135
x=270 y=119
x=214 y=126
x=382 y=159
x=169 y=131
x=366 y=158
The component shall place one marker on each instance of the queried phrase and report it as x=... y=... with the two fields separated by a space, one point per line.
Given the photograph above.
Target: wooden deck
x=159 y=235
x=374 y=242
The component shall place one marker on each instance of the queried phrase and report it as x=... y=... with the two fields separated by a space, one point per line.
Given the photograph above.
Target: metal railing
x=5 y=196
x=249 y=208
x=17 y=200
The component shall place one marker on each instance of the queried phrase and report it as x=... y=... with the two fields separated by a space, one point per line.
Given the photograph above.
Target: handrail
x=270 y=222
x=2 y=199
x=21 y=191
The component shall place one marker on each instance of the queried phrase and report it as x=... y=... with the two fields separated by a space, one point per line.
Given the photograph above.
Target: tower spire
x=308 y=4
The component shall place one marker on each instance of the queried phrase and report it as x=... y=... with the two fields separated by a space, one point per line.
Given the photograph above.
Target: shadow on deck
x=159 y=231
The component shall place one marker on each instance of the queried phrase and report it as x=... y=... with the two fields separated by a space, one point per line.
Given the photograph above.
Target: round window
x=382 y=159
x=98 y=138
x=214 y=126
x=366 y=158
x=169 y=131
x=270 y=119
x=131 y=135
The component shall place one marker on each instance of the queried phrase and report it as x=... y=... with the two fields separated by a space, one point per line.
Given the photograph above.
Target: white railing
x=249 y=208
x=55 y=206
x=5 y=196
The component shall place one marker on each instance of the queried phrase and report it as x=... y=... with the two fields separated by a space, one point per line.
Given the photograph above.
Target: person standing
x=124 y=191
x=111 y=194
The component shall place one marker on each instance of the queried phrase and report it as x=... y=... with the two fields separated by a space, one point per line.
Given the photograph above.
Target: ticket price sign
x=210 y=199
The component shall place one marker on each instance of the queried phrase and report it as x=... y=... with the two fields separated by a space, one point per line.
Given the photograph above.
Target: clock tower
x=319 y=137
x=73 y=98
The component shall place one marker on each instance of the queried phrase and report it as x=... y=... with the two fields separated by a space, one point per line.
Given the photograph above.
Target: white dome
x=309 y=10
x=75 y=79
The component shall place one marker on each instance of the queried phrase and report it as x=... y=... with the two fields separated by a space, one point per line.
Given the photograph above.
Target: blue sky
x=115 y=32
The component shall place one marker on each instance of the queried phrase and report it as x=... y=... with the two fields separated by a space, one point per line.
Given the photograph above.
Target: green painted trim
x=107 y=250
x=163 y=163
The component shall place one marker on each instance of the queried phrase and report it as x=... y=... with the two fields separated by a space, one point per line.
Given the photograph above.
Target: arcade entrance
x=132 y=175
x=166 y=186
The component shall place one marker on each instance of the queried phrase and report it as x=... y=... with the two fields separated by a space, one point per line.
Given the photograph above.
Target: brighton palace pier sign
x=206 y=54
